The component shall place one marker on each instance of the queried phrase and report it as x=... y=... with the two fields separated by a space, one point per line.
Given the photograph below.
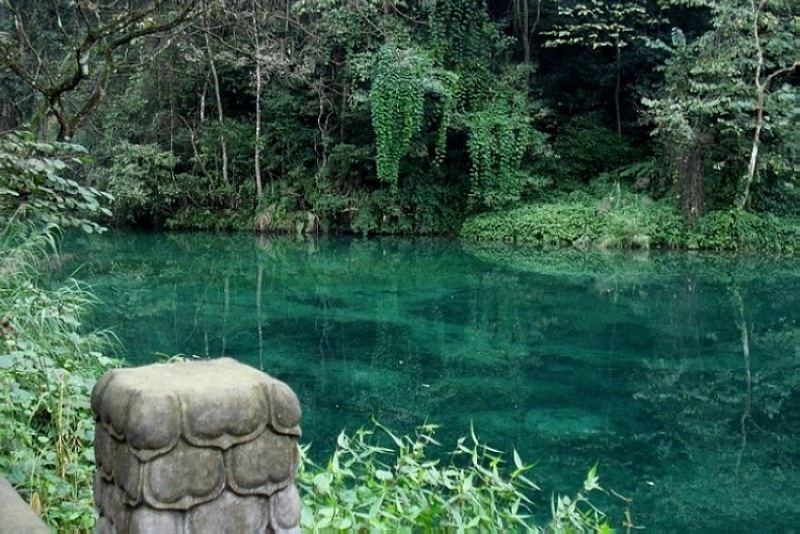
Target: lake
x=677 y=373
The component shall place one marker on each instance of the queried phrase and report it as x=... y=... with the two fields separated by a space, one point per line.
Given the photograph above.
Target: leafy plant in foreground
x=376 y=479
x=47 y=369
x=48 y=364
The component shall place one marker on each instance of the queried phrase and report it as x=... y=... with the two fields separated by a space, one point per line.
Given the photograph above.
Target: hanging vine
x=497 y=139
x=401 y=79
x=486 y=101
x=397 y=107
x=464 y=40
x=493 y=100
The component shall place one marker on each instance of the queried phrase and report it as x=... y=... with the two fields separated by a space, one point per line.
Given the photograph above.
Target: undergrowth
x=48 y=365
x=378 y=480
x=622 y=219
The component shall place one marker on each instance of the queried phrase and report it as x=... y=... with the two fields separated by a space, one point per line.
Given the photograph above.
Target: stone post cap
x=197 y=446
x=210 y=403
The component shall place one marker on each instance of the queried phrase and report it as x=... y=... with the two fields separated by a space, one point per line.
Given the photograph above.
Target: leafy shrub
x=743 y=231
x=142 y=180
x=625 y=220
x=47 y=364
x=580 y=221
x=586 y=148
x=395 y=483
x=47 y=369
x=33 y=188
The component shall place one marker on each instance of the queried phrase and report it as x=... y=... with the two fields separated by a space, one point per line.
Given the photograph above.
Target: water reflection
x=676 y=372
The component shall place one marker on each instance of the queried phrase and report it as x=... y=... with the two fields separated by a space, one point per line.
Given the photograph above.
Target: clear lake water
x=677 y=373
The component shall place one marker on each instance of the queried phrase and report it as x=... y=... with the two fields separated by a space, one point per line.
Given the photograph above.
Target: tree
x=264 y=43
x=776 y=56
x=59 y=49
x=720 y=110
x=523 y=26
x=602 y=24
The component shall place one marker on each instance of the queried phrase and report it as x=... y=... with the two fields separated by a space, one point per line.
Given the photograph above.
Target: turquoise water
x=677 y=373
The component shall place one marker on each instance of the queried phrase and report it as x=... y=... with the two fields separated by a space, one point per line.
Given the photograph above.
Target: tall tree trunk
x=618 y=89
x=743 y=195
x=521 y=10
x=762 y=84
x=259 y=82
x=691 y=189
x=220 y=111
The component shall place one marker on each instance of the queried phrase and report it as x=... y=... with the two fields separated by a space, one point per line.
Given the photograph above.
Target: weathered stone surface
x=202 y=446
x=146 y=402
x=104 y=452
x=15 y=514
x=111 y=499
x=184 y=477
x=153 y=423
x=285 y=408
x=230 y=513
x=148 y=521
x=286 y=510
x=263 y=465
x=127 y=474
x=104 y=526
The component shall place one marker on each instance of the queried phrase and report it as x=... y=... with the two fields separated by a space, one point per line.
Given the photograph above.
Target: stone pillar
x=16 y=515
x=199 y=446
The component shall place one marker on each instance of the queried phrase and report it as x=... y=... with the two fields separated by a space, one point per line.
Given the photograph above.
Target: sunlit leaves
x=33 y=186
x=411 y=485
x=600 y=24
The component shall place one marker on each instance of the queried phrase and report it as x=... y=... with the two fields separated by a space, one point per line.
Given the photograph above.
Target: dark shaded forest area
x=660 y=123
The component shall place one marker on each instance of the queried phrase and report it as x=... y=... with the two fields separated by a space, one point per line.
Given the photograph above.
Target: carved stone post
x=201 y=446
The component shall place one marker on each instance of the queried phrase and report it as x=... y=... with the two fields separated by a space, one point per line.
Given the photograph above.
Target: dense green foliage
x=33 y=189
x=409 y=117
x=725 y=112
x=48 y=365
x=48 y=361
x=499 y=121
x=398 y=484
x=624 y=220
x=400 y=82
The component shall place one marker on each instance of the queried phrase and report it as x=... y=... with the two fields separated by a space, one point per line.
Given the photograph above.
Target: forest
x=663 y=123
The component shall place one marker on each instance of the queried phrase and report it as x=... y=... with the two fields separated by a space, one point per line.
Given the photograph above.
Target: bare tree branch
x=97 y=45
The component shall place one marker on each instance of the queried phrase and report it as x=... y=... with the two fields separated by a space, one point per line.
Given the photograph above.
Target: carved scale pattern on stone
x=201 y=446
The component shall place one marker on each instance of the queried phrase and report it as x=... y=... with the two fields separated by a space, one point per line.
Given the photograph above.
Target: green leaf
x=383 y=475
